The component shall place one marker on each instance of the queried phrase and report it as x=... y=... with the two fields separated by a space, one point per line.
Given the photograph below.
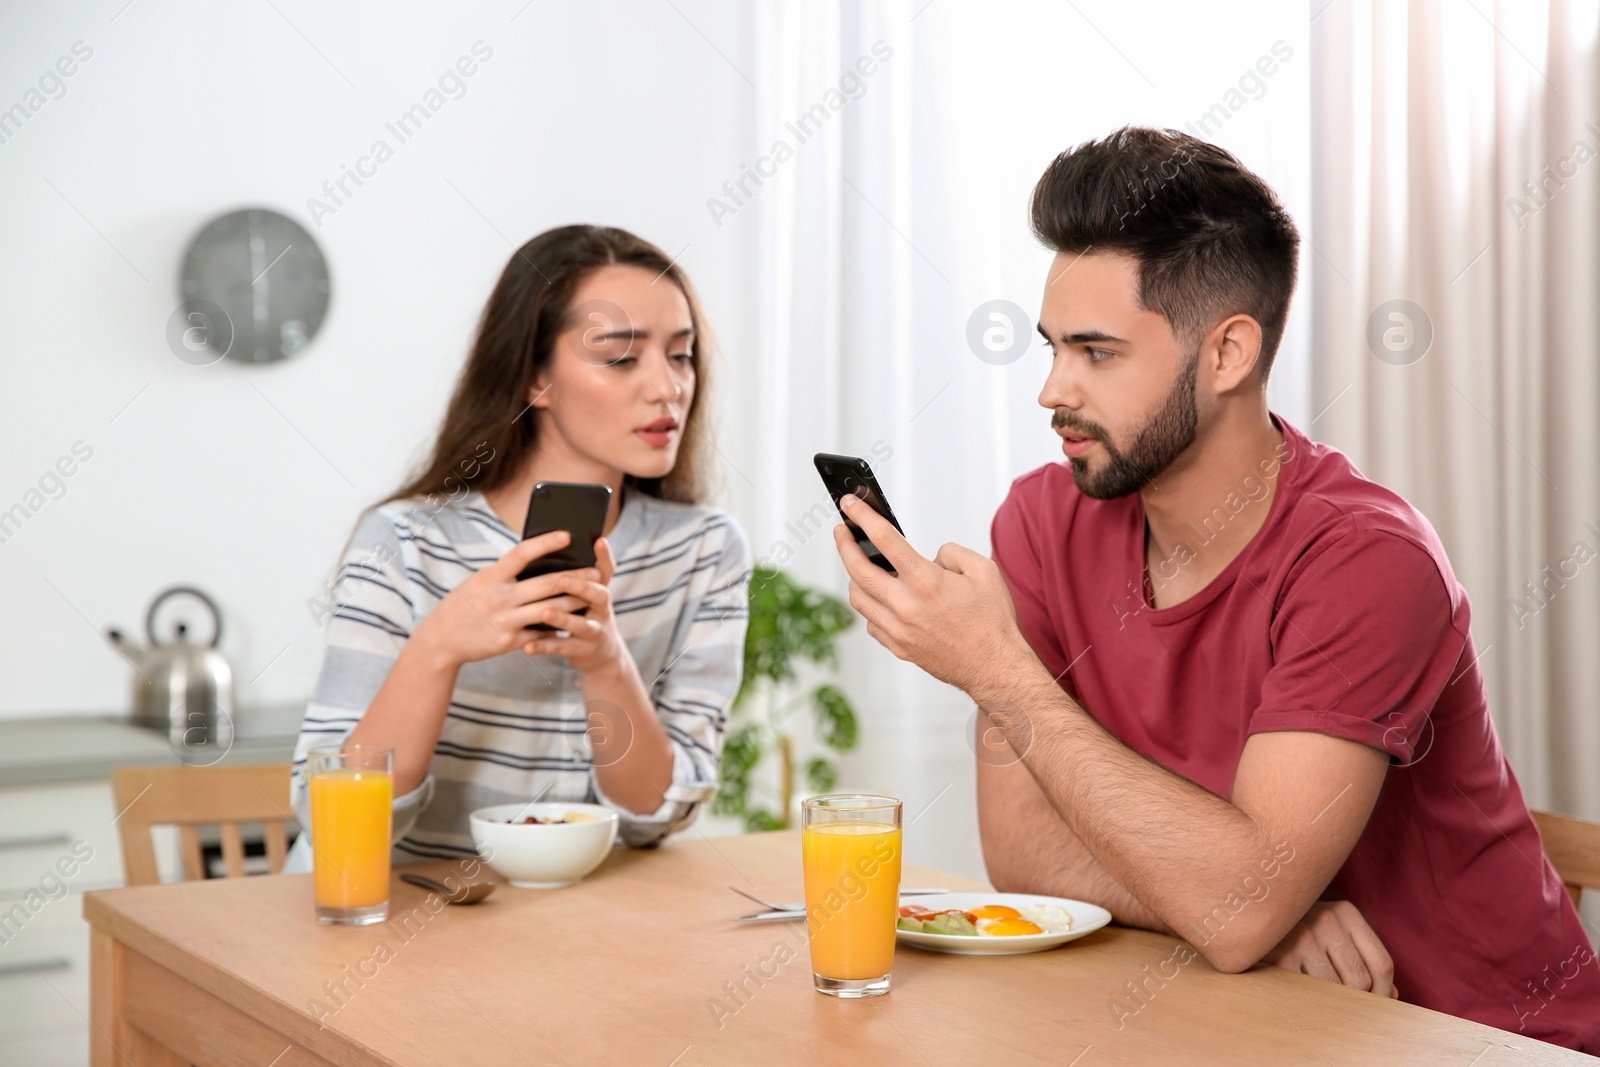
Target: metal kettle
x=181 y=689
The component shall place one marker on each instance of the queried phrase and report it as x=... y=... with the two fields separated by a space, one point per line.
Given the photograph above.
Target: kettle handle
x=150 y=616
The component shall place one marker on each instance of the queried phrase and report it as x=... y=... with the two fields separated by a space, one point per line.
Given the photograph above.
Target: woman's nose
x=662 y=383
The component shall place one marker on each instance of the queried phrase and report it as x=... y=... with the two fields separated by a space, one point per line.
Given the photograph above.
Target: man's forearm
x=1029 y=848
x=1175 y=847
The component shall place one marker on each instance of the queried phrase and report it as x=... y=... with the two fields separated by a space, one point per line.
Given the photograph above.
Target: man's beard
x=1158 y=443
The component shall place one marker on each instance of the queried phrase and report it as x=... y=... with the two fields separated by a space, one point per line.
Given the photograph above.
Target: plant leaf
x=731 y=798
x=741 y=751
x=836 y=719
x=822 y=775
x=788 y=621
x=762 y=820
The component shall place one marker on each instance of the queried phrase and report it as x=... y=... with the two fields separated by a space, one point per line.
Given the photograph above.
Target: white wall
x=186 y=110
x=245 y=480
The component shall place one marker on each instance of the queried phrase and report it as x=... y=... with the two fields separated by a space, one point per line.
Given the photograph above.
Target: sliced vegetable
x=950 y=923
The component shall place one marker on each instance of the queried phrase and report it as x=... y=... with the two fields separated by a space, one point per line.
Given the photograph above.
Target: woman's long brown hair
x=490 y=428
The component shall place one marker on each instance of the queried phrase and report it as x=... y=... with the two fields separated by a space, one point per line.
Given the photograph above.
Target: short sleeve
x=1015 y=552
x=693 y=692
x=1364 y=640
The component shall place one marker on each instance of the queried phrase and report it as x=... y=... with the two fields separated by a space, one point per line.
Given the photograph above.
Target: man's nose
x=1061 y=386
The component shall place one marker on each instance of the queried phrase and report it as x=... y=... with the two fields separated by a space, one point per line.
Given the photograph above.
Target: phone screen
x=874 y=501
x=849 y=474
x=578 y=508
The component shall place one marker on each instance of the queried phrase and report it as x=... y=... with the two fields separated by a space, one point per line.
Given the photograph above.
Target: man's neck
x=1201 y=515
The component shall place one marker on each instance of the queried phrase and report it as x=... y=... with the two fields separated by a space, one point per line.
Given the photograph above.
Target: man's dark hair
x=1210 y=236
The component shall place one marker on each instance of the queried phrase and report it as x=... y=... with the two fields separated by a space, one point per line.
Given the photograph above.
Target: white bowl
x=535 y=856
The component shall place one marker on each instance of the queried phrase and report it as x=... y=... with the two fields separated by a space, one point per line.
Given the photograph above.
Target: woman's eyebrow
x=642 y=335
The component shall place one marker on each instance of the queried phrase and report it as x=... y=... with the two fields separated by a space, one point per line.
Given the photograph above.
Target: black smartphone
x=576 y=507
x=852 y=475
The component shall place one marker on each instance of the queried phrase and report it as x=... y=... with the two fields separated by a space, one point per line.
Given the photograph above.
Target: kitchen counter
x=65 y=748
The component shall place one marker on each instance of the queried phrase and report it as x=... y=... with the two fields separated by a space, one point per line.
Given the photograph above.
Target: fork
x=800 y=905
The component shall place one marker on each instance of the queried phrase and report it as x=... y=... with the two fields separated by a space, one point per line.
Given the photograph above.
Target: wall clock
x=255 y=289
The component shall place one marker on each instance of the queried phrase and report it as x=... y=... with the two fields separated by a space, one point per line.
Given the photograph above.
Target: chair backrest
x=187 y=797
x=1573 y=846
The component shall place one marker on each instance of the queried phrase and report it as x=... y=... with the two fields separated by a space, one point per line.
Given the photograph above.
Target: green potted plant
x=790 y=625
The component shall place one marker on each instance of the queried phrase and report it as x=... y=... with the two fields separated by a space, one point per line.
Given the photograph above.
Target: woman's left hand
x=592 y=642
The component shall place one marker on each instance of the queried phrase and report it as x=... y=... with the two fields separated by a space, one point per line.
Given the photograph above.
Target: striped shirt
x=516 y=725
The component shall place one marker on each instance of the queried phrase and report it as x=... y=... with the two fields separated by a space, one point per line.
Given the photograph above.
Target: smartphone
x=852 y=475
x=578 y=508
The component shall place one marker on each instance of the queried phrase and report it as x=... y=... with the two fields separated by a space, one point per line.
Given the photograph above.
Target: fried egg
x=1007 y=927
x=1052 y=918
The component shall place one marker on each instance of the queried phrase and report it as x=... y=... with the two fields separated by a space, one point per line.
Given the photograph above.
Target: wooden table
x=640 y=965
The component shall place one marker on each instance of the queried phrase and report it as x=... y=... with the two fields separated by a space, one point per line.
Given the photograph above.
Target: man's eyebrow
x=1093 y=336
x=1084 y=337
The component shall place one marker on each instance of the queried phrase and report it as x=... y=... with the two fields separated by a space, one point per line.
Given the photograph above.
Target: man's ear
x=1233 y=348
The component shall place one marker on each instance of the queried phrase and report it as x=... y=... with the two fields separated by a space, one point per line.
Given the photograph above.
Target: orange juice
x=852 y=872
x=351 y=809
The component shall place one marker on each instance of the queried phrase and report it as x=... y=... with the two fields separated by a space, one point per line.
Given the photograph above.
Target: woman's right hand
x=484 y=616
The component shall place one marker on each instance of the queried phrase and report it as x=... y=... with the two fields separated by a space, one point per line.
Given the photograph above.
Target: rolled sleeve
x=694 y=692
x=1365 y=640
x=371 y=613
x=683 y=798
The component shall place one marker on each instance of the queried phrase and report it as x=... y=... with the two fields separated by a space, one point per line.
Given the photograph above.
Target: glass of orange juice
x=850 y=843
x=352 y=803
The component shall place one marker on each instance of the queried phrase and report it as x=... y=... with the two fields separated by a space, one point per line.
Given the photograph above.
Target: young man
x=1229 y=685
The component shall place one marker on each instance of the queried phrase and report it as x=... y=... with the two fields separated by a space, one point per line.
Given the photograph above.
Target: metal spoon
x=467 y=894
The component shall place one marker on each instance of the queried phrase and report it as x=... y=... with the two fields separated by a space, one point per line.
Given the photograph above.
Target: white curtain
x=876 y=241
x=854 y=279
x=1455 y=332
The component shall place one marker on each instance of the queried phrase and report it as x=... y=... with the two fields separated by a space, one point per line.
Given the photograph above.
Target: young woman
x=590 y=365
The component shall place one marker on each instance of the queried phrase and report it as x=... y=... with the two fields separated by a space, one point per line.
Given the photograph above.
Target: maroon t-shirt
x=1342 y=617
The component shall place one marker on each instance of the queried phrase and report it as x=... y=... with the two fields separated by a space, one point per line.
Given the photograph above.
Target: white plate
x=1086 y=919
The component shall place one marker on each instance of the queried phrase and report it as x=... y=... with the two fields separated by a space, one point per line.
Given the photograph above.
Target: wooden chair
x=188 y=797
x=1573 y=846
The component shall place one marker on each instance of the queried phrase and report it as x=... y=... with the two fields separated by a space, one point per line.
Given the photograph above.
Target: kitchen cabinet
x=58 y=838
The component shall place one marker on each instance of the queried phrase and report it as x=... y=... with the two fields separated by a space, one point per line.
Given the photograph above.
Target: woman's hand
x=1334 y=942
x=485 y=615
x=593 y=642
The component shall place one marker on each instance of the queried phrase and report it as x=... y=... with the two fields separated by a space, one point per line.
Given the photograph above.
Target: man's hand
x=1333 y=942
x=951 y=615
